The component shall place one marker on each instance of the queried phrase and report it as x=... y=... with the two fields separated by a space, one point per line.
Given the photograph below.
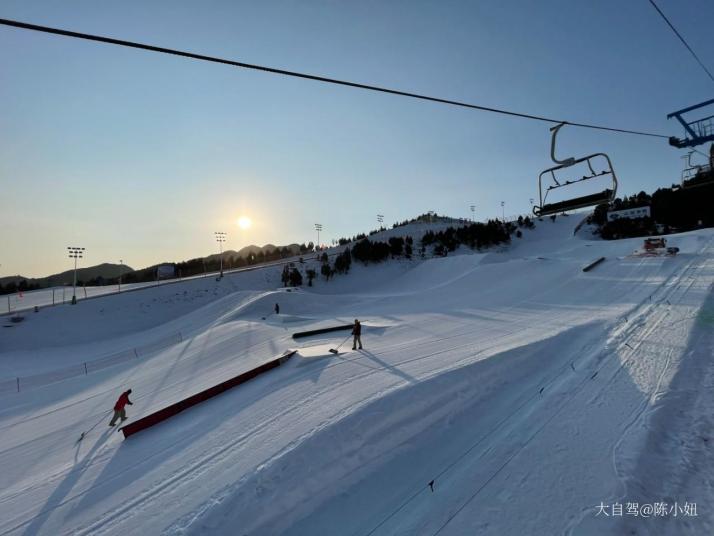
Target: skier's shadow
x=65 y=487
x=388 y=367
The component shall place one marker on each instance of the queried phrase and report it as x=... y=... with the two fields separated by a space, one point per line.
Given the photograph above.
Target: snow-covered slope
x=528 y=391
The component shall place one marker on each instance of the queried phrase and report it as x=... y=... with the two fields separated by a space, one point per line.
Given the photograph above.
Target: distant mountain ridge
x=104 y=270
x=294 y=249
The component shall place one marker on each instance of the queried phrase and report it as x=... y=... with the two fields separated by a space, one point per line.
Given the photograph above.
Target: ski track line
x=518 y=450
x=567 y=402
x=505 y=420
x=637 y=414
x=573 y=394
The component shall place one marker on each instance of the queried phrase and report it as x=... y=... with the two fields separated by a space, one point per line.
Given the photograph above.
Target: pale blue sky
x=142 y=156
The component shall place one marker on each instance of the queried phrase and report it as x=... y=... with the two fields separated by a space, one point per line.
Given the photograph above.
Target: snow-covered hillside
x=525 y=391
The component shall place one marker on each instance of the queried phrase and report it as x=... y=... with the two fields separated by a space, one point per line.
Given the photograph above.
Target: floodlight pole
x=473 y=213
x=318 y=228
x=220 y=238
x=503 y=211
x=121 y=262
x=75 y=253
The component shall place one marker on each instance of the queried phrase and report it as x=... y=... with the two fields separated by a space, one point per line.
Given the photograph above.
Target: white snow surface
x=527 y=390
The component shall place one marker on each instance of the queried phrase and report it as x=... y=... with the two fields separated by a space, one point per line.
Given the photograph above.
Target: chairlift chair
x=606 y=196
x=695 y=175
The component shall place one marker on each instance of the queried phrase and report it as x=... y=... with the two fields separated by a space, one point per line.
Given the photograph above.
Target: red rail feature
x=174 y=409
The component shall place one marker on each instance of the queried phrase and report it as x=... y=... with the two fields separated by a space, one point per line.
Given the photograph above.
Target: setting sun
x=244 y=222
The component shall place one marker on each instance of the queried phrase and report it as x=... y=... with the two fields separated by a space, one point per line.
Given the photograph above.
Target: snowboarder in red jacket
x=357 y=332
x=119 y=411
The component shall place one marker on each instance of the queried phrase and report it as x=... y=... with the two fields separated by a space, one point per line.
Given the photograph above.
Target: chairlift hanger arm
x=566 y=162
x=693 y=138
x=690 y=108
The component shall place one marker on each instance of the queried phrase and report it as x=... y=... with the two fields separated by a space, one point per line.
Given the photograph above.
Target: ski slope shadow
x=65 y=487
x=676 y=460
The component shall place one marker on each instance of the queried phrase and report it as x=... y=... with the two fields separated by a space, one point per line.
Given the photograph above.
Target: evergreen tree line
x=23 y=286
x=423 y=218
x=675 y=209
x=476 y=235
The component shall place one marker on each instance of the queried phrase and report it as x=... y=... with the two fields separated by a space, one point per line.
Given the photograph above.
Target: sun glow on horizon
x=244 y=222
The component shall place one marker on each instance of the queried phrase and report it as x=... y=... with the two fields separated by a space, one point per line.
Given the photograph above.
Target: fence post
x=135 y=353
x=18 y=384
x=85 y=368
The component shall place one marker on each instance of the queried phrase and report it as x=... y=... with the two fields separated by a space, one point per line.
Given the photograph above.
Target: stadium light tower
x=318 y=228
x=473 y=212
x=220 y=238
x=380 y=219
x=75 y=253
x=503 y=211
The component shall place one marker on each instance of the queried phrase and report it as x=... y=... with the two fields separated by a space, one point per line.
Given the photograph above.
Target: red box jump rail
x=169 y=411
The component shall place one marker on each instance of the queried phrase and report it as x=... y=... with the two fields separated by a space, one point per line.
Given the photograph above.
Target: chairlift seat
x=702 y=179
x=572 y=204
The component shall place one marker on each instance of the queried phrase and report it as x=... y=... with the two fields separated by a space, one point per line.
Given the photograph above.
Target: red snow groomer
x=656 y=247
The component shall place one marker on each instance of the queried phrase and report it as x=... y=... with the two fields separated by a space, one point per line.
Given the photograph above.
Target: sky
x=142 y=157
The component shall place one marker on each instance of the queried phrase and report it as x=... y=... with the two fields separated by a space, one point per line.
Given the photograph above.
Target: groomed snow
x=528 y=391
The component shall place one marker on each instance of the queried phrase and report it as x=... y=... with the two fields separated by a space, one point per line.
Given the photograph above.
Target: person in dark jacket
x=277 y=309
x=357 y=332
x=119 y=411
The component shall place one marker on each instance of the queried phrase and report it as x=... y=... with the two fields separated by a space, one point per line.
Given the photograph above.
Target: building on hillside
x=629 y=213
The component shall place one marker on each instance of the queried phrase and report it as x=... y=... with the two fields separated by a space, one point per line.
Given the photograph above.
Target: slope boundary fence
x=23 y=383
